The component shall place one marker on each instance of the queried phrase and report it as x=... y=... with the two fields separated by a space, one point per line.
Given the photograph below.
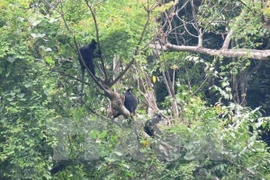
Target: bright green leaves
x=23 y=103
x=248 y=27
x=49 y=60
x=213 y=16
x=120 y=29
x=39 y=98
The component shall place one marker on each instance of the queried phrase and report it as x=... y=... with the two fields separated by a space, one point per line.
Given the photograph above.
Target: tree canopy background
x=202 y=64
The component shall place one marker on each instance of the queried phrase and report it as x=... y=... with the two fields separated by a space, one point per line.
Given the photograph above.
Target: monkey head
x=93 y=44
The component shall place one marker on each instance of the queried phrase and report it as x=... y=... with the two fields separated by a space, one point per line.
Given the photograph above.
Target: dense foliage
x=215 y=108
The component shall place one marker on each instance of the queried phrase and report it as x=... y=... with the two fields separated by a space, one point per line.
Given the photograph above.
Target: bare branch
x=71 y=77
x=248 y=53
x=227 y=40
x=97 y=36
x=238 y=53
x=200 y=38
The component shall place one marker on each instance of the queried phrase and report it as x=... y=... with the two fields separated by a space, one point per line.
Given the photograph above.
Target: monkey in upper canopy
x=87 y=55
x=86 y=59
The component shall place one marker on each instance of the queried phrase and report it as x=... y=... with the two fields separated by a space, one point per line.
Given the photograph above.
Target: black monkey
x=87 y=56
x=150 y=126
x=130 y=102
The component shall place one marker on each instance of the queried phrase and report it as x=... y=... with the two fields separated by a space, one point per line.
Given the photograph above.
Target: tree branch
x=97 y=36
x=230 y=53
x=227 y=40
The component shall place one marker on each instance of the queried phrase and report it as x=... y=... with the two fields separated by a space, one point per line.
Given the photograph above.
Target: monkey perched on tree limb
x=130 y=103
x=117 y=104
x=150 y=126
x=86 y=57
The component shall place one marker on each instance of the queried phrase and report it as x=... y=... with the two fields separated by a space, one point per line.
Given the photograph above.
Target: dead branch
x=230 y=53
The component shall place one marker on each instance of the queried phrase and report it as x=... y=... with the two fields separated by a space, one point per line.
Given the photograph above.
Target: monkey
x=130 y=102
x=150 y=127
x=87 y=56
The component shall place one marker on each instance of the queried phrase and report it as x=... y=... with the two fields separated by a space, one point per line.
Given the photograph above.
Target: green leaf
x=49 y=60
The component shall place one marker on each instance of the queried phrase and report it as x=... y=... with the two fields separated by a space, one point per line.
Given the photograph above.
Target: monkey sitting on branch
x=130 y=103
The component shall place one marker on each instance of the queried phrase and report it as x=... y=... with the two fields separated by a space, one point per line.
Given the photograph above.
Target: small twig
x=206 y=78
x=67 y=75
x=97 y=36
